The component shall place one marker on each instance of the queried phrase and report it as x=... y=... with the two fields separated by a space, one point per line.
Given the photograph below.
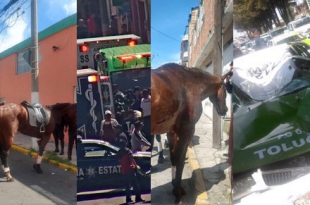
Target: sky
x=19 y=29
x=171 y=18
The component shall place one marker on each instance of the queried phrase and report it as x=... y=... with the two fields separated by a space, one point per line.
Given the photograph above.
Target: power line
x=166 y=35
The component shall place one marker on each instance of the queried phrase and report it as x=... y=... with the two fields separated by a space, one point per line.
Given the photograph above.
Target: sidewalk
x=215 y=169
x=210 y=171
x=24 y=141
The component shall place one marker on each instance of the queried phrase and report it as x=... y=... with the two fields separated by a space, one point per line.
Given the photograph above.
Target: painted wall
x=57 y=71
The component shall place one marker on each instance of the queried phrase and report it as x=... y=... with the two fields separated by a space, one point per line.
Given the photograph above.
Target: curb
x=202 y=196
x=34 y=154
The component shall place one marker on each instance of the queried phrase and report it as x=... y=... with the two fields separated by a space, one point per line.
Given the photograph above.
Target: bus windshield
x=128 y=79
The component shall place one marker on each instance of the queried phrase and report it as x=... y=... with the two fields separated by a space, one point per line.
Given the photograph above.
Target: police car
x=99 y=170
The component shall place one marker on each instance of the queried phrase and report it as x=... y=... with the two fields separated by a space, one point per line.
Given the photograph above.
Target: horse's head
x=218 y=100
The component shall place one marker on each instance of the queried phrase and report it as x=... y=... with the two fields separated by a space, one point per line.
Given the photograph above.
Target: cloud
x=13 y=35
x=70 y=7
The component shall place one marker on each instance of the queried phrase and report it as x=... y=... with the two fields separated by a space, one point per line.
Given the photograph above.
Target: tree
x=261 y=14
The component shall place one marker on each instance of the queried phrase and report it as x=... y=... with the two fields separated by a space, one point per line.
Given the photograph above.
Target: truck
x=102 y=63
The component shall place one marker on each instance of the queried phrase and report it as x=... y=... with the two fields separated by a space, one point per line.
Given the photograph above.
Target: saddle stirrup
x=42 y=128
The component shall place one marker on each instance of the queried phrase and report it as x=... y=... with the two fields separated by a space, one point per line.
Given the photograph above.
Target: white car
x=286 y=38
x=300 y=25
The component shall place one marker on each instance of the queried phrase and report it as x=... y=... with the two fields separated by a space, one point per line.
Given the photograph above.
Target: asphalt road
x=115 y=200
x=55 y=186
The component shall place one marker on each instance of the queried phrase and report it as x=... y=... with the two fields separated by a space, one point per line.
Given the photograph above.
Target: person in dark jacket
x=259 y=42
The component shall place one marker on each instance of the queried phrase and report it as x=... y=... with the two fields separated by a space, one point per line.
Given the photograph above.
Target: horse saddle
x=38 y=117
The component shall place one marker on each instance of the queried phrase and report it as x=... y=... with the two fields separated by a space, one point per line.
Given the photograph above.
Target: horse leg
x=179 y=144
x=62 y=140
x=160 y=150
x=55 y=134
x=41 y=143
x=71 y=142
x=5 y=166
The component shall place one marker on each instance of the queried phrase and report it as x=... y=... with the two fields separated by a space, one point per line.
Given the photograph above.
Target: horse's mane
x=197 y=72
x=60 y=106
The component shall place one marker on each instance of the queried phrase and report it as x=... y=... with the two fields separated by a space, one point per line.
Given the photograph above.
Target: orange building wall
x=57 y=72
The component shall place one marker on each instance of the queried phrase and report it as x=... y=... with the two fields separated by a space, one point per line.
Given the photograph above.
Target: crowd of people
x=93 y=27
x=132 y=119
x=130 y=131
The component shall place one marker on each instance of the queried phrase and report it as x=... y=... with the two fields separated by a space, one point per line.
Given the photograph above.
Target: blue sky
x=19 y=29
x=169 y=17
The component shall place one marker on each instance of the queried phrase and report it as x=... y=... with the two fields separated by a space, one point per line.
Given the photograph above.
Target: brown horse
x=15 y=117
x=177 y=92
x=68 y=112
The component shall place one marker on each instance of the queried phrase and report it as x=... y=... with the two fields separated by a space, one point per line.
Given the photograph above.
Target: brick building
x=201 y=37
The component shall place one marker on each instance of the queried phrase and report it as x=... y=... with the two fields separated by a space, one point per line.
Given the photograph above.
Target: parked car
x=272 y=84
x=288 y=38
x=99 y=171
x=277 y=31
x=299 y=25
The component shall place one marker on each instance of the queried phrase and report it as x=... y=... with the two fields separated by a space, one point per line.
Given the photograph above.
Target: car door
x=98 y=168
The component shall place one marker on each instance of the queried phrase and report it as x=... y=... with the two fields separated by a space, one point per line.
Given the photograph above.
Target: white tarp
x=263 y=73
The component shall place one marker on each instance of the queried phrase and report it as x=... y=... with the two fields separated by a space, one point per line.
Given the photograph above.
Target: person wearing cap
x=138 y=140
x=129 y=168
x=107 y=131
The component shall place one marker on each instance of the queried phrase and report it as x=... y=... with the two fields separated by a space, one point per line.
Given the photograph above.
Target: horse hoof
x=37 y=168
x=69 y=158
x=179 y=201
x=61 y=153
x=10 y=179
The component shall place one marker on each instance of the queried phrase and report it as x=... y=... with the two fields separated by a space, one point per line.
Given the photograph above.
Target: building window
x=23 y=61
x=185 y=46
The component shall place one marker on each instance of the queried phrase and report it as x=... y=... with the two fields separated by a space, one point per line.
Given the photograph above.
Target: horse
x=21 y=117
x=68 y=112
x=177 y=93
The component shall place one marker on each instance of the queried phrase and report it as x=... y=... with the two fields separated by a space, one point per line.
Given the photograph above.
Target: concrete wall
x=57 y=71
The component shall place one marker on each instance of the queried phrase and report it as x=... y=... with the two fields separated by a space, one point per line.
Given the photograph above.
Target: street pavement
x=24 y=141
x=206 y=176
x=54 y=187
x=118 y=200
x=161 y=181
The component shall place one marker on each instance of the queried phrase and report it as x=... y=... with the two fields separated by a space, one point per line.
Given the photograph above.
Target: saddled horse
x=177 y=93
x=66 y=111
x=32 y=120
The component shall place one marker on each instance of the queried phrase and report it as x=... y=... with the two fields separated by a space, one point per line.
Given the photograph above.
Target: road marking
x=202 y=197
x=52 y=197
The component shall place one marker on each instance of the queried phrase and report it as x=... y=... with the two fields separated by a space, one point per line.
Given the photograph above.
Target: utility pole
x=34 y=62
x=217 y=70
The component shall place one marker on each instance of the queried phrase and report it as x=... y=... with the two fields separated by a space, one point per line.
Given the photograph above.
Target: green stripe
x=59 y=26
